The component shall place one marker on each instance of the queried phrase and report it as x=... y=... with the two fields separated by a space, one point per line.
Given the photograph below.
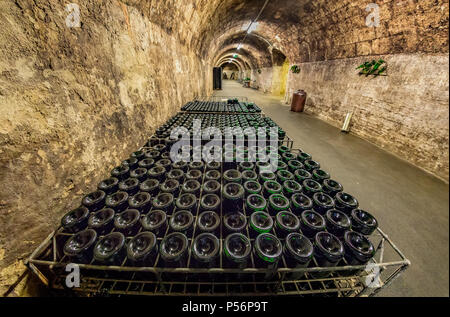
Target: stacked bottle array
x=220 y=121
x=230 y=106
x=155 y=212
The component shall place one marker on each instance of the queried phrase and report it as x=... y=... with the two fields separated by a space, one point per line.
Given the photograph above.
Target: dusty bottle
x=146 y=163
x=127 y=222
x=171 y=186
x=132 y=163
x=109 y=186
x=142 y=250
x=311 y=223
x=298 y=252
x=194 y=175
x=248 y=175
x=322 y=203
x=345 y=202
x=237 y=248
x=260 y=222
x=164 y=201
x=211 y=187
x=363 y=222
x=232 y=176
x=234 y=222
x=182 y=221
x=94 y=201
x=337 y=222
x=286 y=223
x=117 y=201
x=205 y=250
x=80 y=246
x=102 y=221
x=187 y=202
x=130 y=185
x=75 y=220
x=209 y=221
x=300 y=202
x=213 y=175
x=210 y=202
x=191 y=187
x=156 y=222
x=233 y=197
x=150 y=186
x=110 y=249
x=141 y=201
x=174 y=250
x=139 y=173
x=121 y=172
x=157 y=172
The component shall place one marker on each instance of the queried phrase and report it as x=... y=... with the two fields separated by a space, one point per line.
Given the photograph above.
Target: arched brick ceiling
x=243 y=54
x=302 y=30
x=244 y=62
x=254 y=47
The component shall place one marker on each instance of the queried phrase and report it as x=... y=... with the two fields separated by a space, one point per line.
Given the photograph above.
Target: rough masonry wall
x=405 y=112
x=74 y=103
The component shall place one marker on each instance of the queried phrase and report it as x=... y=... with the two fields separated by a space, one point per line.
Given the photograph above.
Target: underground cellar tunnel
x=85 y=84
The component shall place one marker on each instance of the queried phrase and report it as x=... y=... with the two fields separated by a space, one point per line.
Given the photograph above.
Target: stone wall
x=75 y=102
x=405 y=112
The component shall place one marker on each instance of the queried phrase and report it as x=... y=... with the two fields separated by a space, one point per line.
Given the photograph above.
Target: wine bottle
x=110 y=249
x=209 y=221
x=311 y=223
x=142 y=249
x=75 y=220
x=141 y=201
x=234 y=222
x=94 y=201
x=260 y=222
x=117 y=201
x=109 y=186
x=102 y=221
x=182 y=221
x=156 y=222
x=298 y=252
x=363 y=222
x=79 y=247
x=205 y=250
x=127 y=222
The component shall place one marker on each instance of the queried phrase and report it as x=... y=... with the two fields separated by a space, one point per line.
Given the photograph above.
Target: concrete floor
x=411 y=206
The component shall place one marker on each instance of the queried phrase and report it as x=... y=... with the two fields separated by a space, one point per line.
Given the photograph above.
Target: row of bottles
x=231 y=105
x=219 y=121
x=143 y=248
x=153 y=207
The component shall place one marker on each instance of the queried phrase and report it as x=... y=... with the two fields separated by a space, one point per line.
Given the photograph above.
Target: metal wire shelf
x=48 y=263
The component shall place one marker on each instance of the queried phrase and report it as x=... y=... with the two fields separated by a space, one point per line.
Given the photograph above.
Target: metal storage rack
x=48 y=263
